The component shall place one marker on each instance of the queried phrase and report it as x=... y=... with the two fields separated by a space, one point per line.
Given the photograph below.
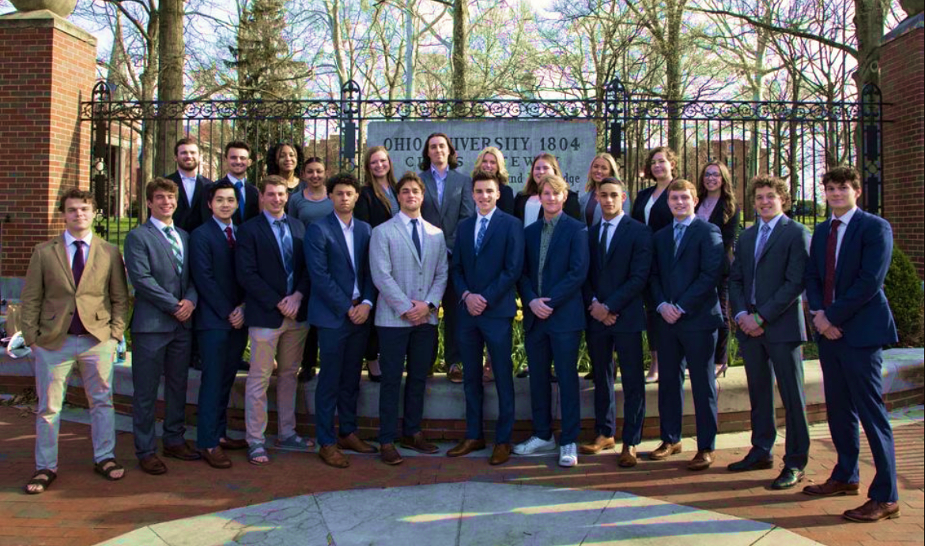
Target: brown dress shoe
x=628 y=458
x=500 y=454
x=465 y=447
x=418 y=443
x=216 y=457
x=182 y=451
x=601 y=443
x=831 y=488
x=664 y=451
x=233 y=444
x=873 y=511
x=702 y=461
x=455 y=373
x=390 y=455
x=152 y=465
x=353 y=442
x=333 y=456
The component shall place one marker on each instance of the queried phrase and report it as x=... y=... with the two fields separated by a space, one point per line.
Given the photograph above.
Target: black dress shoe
x=788 y=478
x=751 y=463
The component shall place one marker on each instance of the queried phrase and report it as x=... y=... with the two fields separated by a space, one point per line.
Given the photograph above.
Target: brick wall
x=47 y=66
x=902 y=76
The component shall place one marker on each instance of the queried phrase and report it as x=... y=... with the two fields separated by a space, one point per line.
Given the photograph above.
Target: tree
x=170 y=77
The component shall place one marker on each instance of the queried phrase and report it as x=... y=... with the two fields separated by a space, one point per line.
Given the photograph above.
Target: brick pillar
x=47 y=67
x=902 y=76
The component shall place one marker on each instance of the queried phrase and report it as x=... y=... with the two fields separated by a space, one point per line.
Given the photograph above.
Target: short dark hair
x=184 y=142
x=843 y=175
x=271 y=180
x=220 y=185
x=611 y=180
x=76 y=193
x=342 y=179
x=409 y=178
x=769 y=181
x=452 y=160
x=159 y=183
x=482 y=176
x=239 y=144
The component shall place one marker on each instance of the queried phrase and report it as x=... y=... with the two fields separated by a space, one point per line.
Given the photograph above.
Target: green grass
x=116 y=229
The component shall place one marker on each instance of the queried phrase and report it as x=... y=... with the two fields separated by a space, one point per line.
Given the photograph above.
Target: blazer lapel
x=268 y=232
x=773 y=237
x=165 y=246
x=685 y=238
x=431 y=191
x=335 y=224
x=619 y=231
x=449 y=183
x=490 y=229
x=62 y=254
x=851 y=231
x=554 y=241
x=402 y=232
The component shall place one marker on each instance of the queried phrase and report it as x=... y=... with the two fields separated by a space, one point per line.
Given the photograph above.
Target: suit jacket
x=251 y=202
x=728 y=232
x=564 y=271
x=401 y=276
x=457 y=204
x=50 y=298
x=659 y=216
x=370 y=209
x=190 y=216
x=329 y=266
x=689 y=277
x=261 y=273
x=506 y=199
x=494 y=273
x=158 y=285
x=860 y=308
x=570 y=207
x=619 y=281
x=778 y=277
x=213 y=270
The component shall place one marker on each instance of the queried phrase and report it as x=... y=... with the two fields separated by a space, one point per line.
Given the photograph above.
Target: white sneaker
x=567 y=455
x=534 y=445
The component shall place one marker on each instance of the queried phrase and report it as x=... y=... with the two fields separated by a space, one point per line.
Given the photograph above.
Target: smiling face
x=438 y=152
x=187 y=157
x=410 y=198
x=611 y=199
x=78 y=217
x=600 y=170
x=552 y=201
x=660 y=167
x=224 y=204
x=541 y=168
x=162 y=205
x=713 y=179
x=314 y=174
x=841 y=197
x=768 y=203
x=379 y=165
x=287 y=159
x=273 y=199
x=489 y=163
x=237 y=161
x=682 y=203
x=485 y=194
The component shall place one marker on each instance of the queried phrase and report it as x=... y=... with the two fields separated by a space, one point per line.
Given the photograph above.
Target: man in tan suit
x=73 y=312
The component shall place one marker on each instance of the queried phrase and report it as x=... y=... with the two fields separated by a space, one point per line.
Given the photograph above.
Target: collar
x=345 y=227
x=845 y=218
x=438 y=174
x=69 y=239
x=613 y=221
x=185 y=177
x=233 y=180
x=686 y=222
x=487 y=216
x=406 y=219
x=554 y=221
x=771 y=223
x=223 y=225
x=271 y=219
x=161 y=225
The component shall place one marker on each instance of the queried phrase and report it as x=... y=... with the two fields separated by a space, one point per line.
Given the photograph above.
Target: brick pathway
x=82 y=509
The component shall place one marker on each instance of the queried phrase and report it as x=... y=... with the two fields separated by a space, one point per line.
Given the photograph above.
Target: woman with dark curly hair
x=285 y=159
x=717 y=205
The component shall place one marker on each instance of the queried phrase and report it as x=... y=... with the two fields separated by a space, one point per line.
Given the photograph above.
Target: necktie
x=829 y=280
x=287 y=243
x=175 y=247
x=231 y=239
x=483 y=224
x=77 y=268
x=415 y=238
x=679 y=233
x=603 y=243
x=763 y=238
x=239 y=194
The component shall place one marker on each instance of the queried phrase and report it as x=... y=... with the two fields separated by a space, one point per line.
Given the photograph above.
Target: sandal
x=293 y=443
x=106 y=467
x=43 y=478
x=256 y=452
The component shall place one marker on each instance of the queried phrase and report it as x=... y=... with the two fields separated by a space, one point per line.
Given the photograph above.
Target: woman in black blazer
x=651 y=206
x=491 y=160
x=377 y=203
x=717 y=205
x=543 y=164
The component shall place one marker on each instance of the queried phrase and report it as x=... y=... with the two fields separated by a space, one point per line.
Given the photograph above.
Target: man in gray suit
x=158 y=262
x=408 y=263
x=766 y=281
x=448 y=199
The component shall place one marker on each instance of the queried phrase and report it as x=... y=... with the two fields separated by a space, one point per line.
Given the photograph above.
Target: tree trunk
x=170 y=78
x=409 y=52
x=458 y=57
x=149 y=80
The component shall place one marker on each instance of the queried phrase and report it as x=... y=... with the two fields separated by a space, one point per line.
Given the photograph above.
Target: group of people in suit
x=251 y=273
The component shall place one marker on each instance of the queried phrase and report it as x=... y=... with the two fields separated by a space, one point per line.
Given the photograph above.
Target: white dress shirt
x=161 y=225
x=72 y=250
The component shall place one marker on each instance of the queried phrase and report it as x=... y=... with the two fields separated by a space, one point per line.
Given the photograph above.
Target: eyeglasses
x=711 y=175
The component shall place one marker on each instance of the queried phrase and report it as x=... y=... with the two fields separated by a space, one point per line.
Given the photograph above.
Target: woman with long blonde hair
x=491 y=160
x=601 y=167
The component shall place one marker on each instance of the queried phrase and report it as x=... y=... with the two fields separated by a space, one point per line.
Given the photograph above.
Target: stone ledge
x=44 y=18
x=903 y=383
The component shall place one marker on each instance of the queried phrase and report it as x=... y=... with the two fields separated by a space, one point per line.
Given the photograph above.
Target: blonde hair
x=609 y=159
x=502 y=175
x=555 y=182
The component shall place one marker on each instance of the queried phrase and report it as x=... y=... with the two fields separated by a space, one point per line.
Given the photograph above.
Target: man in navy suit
x=237 y=162
x=620 y=254
x=191 y=207
x=337 y=259
x=487 y=262
x=555 y=267
x=448 y=200
x=683 y=285
x=766 y=281
x=849 y=257
x=157 y=258
x=218 y=320
x=270 y=266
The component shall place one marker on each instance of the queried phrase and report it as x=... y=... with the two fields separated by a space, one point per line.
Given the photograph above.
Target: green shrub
x=904 y=291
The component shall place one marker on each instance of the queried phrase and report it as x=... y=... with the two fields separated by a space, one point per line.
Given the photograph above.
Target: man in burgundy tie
x=218 y=321
x=849 y=258
x=73 y=314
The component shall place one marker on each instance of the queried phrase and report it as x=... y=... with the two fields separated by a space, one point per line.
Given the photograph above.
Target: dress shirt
x=532 y=210
x=648 y=207
x=614 y=222
x=546 y=235
x=687 y=223
x=348 y=231
x=771 y=229
x=479 y=218
x=72 y=250
x=276 y=232
x=223 y=225
x=407 y=221
x=161 y=225
x=244 y=193
x=841 y=229
x=439 y=179
x=189 y=186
